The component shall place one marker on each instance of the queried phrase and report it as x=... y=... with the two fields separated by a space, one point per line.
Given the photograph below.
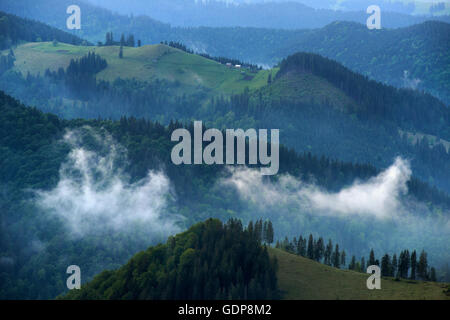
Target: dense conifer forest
x=86 y=175
x=14 y=30
x=212 y=260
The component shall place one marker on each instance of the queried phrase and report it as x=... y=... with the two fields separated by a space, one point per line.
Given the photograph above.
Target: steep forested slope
x=226 y=261
x=383 y=55
x=365 y=121
x=52 y=203
x=412 y=57
x=94 y=192
x=209 y=261
x=327 y=109
x=14 y=30
x=410 y=110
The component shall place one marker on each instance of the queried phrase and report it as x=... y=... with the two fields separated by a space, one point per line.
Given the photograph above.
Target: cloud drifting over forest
x=93 y=193
x=379 y=196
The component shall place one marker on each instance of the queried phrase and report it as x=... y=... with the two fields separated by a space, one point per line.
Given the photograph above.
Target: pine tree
x=404 y=264
x=336 y=257
x=270 y=232
x=433 y=274
x=121 y=52
x=352 y=265
x=422 y=266
x=328 y=252
x=386 y=265
x=250 y=229
x=264 y=232
x=301 y=247
x=394 y=266
x=109 y=39
x=363 y=264
x=372 y=258
x=130 y=41
x=413 y=264
x=407 y=264
x=258 y=230
x=343 y=258
x=310 y=251
x=319 y=250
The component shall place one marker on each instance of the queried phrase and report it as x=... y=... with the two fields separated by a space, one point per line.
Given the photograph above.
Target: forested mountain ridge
x=241 y=270
x=189 y=14
x=164 y=83
x=37 y=165
x=411 y=57
x=15 y=30
x=404 y=57
x=324 y=107
x=409 y=108
x=76 y=188
x=211 y=260
x=262 y=14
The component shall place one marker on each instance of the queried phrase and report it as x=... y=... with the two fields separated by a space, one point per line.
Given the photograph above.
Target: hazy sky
x=421 y=6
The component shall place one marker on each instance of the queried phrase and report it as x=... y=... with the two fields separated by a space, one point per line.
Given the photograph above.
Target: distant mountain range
x=92 y=183
x=405 y=57
x=267 y=14
x=319 y=105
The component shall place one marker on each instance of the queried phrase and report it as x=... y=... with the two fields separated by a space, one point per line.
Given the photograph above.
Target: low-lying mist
x=377 y=213
x=94 y=195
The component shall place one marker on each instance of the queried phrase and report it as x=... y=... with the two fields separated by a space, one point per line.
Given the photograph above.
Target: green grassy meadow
x=191 y=72
x=300 y=278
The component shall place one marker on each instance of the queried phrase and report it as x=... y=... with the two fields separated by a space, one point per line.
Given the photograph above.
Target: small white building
x=238 y=66
x=229 y=64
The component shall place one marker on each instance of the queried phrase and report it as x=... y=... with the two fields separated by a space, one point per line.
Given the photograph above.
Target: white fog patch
x=408 y=82
x=379 y=196
x=94 y=194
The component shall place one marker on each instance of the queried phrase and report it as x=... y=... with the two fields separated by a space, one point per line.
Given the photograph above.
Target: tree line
x=79 y=76
x=375 y=100
x=7 y=61
x=14 y=30
x=222 y=60
x=404 y=266
x=125 y=41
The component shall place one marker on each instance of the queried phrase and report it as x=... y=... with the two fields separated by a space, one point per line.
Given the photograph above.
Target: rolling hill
x=366 y=121
x=300 y=77
x=411 y=56
x=192 y=259
x=300 y=278
x=146 y=63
